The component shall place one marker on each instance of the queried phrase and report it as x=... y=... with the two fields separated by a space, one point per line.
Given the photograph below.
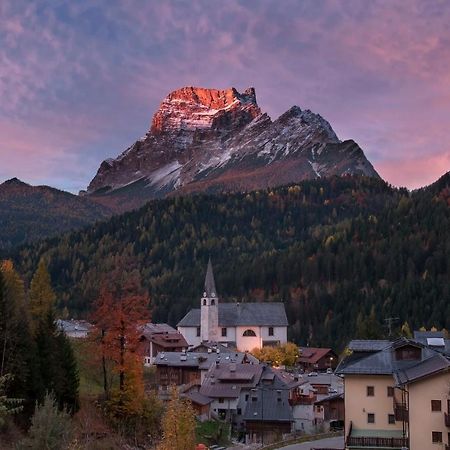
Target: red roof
x=312 y=355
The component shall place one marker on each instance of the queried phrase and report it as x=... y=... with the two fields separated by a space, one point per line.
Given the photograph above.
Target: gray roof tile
x=241 y=314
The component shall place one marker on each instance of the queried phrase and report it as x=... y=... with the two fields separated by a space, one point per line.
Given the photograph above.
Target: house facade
x=313 y=359
x=396 y=393
x=244 y=326
x=160 y=337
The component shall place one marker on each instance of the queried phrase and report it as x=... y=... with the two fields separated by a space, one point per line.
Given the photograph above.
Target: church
x=244 y=326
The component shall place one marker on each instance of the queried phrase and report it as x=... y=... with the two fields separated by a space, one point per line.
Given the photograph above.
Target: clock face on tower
x=213 y=294
x=204 y=294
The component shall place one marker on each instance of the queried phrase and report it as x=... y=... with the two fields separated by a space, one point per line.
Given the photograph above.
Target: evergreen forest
x=336 y=251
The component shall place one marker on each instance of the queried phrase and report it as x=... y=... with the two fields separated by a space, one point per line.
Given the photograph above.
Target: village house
x=305 y=392
x=187 y=370
x=77 y=329
x=160 y=337
x=329 y=412
x=317 y=359
x=253 y=398
x=244 y=326
x=397 y=393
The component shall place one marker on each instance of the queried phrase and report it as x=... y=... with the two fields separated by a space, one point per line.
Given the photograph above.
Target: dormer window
x=408 y=353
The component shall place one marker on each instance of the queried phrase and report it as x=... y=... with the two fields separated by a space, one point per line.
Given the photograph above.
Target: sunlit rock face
x=219 y=140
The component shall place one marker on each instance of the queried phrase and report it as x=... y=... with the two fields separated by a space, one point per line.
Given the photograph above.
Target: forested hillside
x=29 y=213
x=331 y=249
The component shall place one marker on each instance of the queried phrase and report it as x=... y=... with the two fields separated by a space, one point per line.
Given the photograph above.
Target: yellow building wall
x=421 y=419
x=358 y=404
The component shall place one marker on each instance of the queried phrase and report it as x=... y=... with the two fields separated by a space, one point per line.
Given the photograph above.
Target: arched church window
x=249 y=333
x=204 y=302
x=213 y=302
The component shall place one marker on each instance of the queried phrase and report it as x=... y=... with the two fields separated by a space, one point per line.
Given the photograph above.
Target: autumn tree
x=279 y=355
x=178 y=424
x=42 y=296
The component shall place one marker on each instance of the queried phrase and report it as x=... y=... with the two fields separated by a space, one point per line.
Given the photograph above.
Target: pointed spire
x=210 y=285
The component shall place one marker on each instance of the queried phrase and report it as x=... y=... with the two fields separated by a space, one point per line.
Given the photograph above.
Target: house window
x=270 y=331
x=391 y=419
x=390 y=391
x=370 y=391
x=239 y=411
x=436 y=405
x=221 y=400
x=248 y=333
x=224 y=332
x=198 y=331
x=436 y=437
x=370 y=418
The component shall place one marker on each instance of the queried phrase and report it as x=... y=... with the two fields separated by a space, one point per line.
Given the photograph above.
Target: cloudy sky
x=80 y=80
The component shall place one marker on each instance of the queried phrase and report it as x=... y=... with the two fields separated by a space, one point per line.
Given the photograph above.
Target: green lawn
x=212 y=432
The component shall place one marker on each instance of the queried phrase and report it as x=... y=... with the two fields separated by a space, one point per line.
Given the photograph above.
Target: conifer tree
x=17 y=348
x=42 y=296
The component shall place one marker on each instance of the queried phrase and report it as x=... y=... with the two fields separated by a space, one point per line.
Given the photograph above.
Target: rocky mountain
x=28 y=213
x=213 y=140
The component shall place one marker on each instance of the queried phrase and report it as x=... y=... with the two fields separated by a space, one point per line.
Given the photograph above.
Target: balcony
x=401 y=412
x=372 y=441
x=447 y=420
x=360 y=438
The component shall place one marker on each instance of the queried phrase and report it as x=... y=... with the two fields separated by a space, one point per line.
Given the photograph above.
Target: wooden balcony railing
x=369 y=441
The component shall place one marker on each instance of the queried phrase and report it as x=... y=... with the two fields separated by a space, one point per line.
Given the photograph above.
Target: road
x=334 y=442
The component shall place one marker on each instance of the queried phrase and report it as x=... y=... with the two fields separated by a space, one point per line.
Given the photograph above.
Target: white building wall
x=190 y=334
x=279 y=334
x=248 y=343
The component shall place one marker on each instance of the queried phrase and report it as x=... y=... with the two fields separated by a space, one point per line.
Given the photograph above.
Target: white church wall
x=190 y=334
x=279 y=334
x=248 y=343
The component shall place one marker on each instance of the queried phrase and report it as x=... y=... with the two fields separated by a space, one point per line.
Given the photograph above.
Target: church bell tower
x=209 y=317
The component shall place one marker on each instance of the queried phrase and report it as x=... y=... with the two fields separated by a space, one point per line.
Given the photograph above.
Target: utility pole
x=389 y=322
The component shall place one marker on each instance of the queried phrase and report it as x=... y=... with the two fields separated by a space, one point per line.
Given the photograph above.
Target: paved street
x=335 y=442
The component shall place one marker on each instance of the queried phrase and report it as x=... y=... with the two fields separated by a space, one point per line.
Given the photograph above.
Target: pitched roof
x=241 y=314
x=312 y=355
x=430 y=366
x=368 y=345
x=225 y=380
x=375 y=358
x=271 y=405
x=202 y=361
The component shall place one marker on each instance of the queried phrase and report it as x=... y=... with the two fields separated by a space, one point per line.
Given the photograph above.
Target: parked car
x=329 y=370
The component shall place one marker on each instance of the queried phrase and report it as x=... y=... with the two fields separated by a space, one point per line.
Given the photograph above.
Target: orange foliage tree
x=119 y=313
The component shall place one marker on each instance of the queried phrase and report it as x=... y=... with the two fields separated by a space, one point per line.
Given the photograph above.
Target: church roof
x=242 y=314
x=210 y=285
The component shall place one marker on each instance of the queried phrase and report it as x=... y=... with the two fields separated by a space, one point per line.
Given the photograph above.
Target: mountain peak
x=190 y=108
x=218 y=139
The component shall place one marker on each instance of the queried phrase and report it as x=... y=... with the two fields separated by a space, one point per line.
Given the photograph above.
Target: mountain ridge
x=220 y=140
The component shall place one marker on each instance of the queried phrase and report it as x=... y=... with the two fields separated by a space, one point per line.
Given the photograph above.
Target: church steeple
x=209 y=309
x=210 y=285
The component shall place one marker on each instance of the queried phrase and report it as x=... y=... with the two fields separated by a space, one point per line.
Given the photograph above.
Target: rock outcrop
x=219 y=140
